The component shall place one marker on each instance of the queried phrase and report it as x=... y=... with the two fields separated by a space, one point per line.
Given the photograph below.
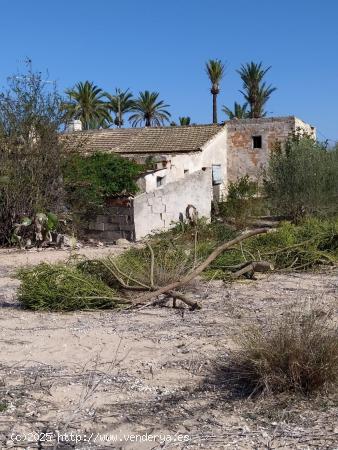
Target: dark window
x=257 y=141
x=160 y=181
x=186 y=171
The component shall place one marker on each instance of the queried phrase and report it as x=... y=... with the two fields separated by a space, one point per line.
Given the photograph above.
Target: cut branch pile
x=152 y=291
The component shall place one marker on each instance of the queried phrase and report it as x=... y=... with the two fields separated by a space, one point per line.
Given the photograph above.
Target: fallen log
x=199 y=269
x=249 y=268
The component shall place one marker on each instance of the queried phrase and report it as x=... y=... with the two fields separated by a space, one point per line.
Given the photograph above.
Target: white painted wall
x=159 y=209
x=213 y=152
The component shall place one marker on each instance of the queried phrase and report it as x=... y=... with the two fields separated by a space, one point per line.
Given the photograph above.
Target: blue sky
x=163 y=46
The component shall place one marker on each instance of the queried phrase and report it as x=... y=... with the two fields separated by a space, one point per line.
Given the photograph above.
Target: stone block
x=96 y=226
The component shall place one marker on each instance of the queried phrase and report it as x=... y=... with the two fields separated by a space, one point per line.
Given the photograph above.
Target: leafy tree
x=301 y=178
x=120 y=103
x=215 y=70
x=149 y=110
x=184 y=121
x=30 y=151
x=256 y=92
x=239 y=111
x=86 y=103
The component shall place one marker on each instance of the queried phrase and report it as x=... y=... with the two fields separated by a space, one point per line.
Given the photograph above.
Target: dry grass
x=298 y=352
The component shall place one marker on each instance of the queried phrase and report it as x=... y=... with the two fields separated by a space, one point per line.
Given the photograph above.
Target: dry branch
x=199 y=269
x=252 y=267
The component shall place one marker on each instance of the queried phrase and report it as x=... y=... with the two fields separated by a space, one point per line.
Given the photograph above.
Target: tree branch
x=199 y=269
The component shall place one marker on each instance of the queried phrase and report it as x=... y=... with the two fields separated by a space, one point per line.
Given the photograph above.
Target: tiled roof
x=145 y=140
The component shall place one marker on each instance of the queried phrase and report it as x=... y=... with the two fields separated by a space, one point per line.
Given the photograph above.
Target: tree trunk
x=214 y=108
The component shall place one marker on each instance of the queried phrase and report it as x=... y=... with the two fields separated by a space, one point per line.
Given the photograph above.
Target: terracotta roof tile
x=145 y=140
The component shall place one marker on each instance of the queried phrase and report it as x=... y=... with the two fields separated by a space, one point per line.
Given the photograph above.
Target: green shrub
x=89 y=180
x=242 y=201
x=64 y=287
x=298 y=352
x=310 y=244
x=302 y=178
x=133 y=266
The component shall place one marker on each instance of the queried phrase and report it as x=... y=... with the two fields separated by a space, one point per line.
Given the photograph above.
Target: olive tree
x=302 y=178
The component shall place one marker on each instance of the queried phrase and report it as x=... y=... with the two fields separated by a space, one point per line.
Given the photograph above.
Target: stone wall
x=115 y=222
x=242 y=157
x=159 y=209
x=135 y=218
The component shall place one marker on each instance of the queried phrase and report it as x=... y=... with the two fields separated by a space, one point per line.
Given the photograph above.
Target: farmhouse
x=191 y=166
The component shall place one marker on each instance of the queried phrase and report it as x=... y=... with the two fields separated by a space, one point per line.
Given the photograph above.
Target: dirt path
x=133 y=375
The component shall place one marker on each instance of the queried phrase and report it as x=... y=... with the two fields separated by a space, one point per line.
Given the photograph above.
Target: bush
x=89 y=180
x=30 y=152
x=241 y=203
x=310 y=244
x=302 y=178
x=298 y=352
x=63 y=287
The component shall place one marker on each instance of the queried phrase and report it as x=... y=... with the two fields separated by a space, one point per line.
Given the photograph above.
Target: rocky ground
x=152 y=378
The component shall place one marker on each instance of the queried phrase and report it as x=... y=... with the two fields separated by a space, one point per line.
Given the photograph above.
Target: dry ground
x=152 y=371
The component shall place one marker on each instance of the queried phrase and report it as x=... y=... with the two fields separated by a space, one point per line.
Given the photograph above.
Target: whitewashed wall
x=160 y=209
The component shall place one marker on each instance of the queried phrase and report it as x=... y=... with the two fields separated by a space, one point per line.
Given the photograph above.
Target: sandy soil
x=130 y=376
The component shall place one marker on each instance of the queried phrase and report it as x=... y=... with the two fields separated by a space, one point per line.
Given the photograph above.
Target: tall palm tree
x=256 y=92
x=148 y=110
x=86 y=104
x=120 y=103
x=215 y=70
x=239 y=111
x=184 y=121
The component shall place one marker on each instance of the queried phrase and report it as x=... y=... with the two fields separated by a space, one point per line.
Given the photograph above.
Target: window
x=186 y=171
x=160 y=181
x=256 y=141
x=217 y=177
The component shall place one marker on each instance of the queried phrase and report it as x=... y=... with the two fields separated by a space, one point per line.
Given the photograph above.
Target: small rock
x=122 y=242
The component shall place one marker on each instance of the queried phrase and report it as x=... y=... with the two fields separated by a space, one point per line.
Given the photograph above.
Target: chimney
x=74 y=125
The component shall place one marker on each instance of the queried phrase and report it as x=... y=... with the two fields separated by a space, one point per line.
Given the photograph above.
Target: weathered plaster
x=161 y=208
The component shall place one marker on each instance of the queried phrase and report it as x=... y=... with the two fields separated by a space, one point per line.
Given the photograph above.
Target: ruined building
x=192 y=165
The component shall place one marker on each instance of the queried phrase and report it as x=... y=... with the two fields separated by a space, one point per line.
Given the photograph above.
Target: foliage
x=86 y=104
x=184 y=121
x=63 y=287
x=35 y=230
x=239 y=111
x=149 y=110
x=297 y=352
x=240 y=204
x=176 y=253
x=215 y=70
x=302 y=178
x=255 y=91
x=310 y=244
x=3 y=406
x=30 y=151
x=89 y=180
x=120 y=103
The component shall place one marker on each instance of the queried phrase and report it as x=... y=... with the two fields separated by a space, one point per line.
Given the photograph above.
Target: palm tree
x=86 y=104
x=148 y=110
x=239 y=111
x=215 y=71
x=184 y=121
x=120 y=103
x=256 y=92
